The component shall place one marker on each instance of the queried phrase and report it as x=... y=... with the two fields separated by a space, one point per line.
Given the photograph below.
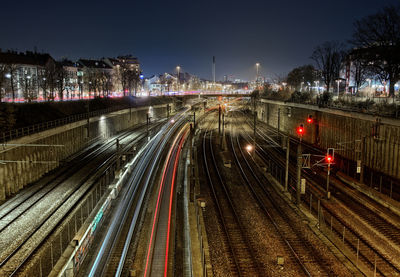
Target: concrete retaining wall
x=355 y=136
x=27 y=159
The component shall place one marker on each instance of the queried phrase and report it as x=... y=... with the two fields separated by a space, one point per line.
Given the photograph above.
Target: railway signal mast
x=300 y=133
x=329 y=158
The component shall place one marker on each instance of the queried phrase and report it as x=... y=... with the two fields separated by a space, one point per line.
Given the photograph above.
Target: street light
x=338 y=85
x=317 y=85
x=258 y=68
x=369 y=86
x=249 y=148
x=178 y=69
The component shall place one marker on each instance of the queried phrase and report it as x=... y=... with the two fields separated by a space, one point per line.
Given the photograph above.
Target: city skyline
x=165 y=35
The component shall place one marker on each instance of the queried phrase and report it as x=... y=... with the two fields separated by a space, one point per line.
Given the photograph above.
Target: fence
x=342 y=234
x=24 y=131
x=55 y=246
x=201 y=240
x=364 y=257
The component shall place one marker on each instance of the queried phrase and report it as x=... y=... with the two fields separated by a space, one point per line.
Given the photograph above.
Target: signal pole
x=219 y=119
x=329 y=159
x=299 y=165
x=328 y=194
x=287 y=163
x=213 y=71
x=300 y=132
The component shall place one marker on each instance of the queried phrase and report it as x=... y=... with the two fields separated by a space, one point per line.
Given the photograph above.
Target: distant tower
x=213 y=70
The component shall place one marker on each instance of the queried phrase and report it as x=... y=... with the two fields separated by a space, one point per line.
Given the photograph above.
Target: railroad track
x=113 y=254
x=273 y=206
x=242 y=255
x=158 y=257
x=15 y=208
x=17 y=256
x=371 y=256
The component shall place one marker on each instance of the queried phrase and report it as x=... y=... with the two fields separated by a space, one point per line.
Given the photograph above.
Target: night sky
x=162 y=34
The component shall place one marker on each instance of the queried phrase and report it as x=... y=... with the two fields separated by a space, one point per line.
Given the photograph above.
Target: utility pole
x=279 y=120
x=167 y=111
x=299 y=166
x=329 y=159
x=118 y=150
x=287 y=163
x=300 y=133
x=257 y=67
x=213 y=71
x=130 y=108
x=223 y=123
x=88 y=119
x=223 y=132
x=178 y=68
x=328 y=194
x=362 y=160
x=219 y=119
x=147 y=122
x=255 y=119
x=194 y=119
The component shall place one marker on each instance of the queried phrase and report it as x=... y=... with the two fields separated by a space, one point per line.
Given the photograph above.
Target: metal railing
x=28 y=130
x=350 y=105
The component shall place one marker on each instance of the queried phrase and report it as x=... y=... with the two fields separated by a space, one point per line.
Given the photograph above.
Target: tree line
x=55 y=79
x=373 y=51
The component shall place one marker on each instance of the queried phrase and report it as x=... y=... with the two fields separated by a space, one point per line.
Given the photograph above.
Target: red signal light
x=310 y=119
x=300 y=130
x=329 y=159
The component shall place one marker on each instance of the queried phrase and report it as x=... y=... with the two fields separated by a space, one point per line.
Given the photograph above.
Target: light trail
x=162 y=184
x=144 y=162
x=171 y=198
x=158 y=204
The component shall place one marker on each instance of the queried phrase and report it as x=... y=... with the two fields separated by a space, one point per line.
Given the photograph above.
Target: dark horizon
x=279 y=35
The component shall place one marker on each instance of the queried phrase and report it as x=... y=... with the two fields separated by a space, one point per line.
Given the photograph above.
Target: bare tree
x=47 y=81
x=122 y=77
x=28 y=85
x=301 y=75
x=360 y=73
x=60 y=76
x=329 y=57
x=377 y=39
x=128 y=76
x=91 y=80
x=43 y=82
x=12 y=75
x=3 y=79
x=105 y=82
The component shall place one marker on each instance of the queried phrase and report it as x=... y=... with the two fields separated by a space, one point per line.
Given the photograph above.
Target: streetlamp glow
x=178 y=69
x=249 y=148
x=369 y=86
x=338 y=85
x=258 y=68
x=317 y=85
